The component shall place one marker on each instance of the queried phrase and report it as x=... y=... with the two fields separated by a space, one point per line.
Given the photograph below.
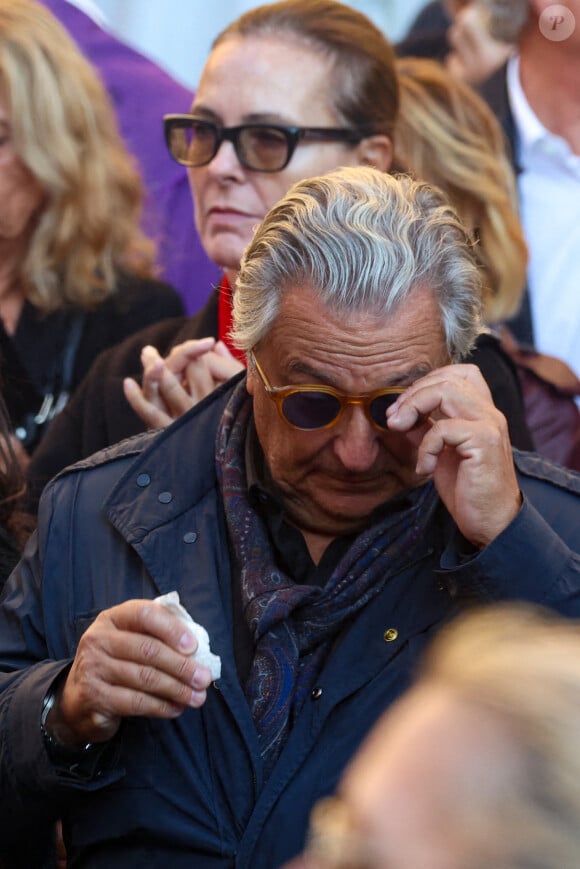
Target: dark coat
x=494 y=91
x=33 y=357
x=190 y=791
x=99 y=415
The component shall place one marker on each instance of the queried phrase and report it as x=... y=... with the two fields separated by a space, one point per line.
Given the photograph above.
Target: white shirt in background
x=549 y=191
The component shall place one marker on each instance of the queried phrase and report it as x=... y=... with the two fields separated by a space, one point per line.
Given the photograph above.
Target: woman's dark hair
x=12 y=485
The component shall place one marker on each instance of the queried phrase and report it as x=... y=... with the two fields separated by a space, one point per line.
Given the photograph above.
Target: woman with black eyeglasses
x=290 y=90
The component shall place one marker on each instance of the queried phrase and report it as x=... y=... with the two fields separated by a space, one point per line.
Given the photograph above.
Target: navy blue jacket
x=146 y=517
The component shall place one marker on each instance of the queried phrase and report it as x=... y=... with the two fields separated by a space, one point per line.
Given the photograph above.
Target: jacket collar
x=173 y=472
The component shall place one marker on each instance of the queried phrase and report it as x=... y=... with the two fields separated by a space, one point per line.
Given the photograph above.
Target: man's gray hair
x=361 y=240
x=507 y=18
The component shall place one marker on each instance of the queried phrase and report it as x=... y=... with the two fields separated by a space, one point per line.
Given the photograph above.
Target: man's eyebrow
x=405 y=378
x=410 y=376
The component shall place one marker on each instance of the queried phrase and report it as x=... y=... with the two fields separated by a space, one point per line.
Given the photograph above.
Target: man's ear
x=376 y=151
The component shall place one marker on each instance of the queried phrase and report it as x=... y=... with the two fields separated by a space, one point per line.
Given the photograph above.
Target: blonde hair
x=447 y=135
x=65 y=133
x=521 y=664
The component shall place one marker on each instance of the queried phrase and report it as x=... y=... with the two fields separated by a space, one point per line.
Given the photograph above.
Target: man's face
x=331 y=479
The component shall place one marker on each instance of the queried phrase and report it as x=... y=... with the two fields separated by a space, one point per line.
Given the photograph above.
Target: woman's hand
x=173 y=385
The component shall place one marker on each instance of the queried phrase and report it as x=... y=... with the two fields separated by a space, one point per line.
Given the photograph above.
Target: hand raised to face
x=463 y=443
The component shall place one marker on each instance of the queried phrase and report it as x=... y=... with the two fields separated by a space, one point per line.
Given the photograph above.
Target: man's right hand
x=134 y=660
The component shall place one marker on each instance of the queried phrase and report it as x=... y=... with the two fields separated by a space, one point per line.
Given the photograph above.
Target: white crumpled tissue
x=203 y=654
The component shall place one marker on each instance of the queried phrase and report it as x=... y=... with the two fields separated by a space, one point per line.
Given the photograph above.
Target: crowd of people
x=335 y=409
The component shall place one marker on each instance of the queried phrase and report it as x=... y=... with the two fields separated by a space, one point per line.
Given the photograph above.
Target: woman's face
x=20 y=194
x=270 y=80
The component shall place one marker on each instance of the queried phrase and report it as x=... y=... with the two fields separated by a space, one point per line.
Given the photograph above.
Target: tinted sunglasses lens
x=263 y=148
x=378 y=408
x=201 y=143
x=310 y=410
x=192 y=144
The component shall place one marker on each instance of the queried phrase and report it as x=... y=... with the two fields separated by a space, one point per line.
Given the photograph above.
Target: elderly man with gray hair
x=320 y=515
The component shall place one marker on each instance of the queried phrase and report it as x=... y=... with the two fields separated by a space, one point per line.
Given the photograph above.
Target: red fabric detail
x=225 y=319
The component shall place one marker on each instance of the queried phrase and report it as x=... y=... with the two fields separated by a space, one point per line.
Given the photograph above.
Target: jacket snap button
x=390 y=635
x=190 y=537
x=143 y=480
x=165 y=497
x=316 y=693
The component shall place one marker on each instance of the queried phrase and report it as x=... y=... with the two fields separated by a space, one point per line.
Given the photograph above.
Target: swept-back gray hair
x=362 y=240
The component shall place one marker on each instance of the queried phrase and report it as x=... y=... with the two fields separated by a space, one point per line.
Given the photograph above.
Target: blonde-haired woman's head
x=447 y=135
x=478 y=764
x=63 y=131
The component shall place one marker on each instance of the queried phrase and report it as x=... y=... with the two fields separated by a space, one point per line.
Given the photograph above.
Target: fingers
x=462 y=442
x=182 y=354
x=152 y=415
x=222 y=365
x=173 y=385
x=470 y=440
x=153 y=620
x=451 y=391
x=207 y=372
x=135 y=659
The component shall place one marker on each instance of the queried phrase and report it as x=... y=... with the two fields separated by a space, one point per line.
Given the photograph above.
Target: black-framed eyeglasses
x=262 y=147
x=317 y=407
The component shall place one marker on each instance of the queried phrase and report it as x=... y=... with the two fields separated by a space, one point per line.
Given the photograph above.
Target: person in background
x=15 y=528
x=141 y=93
x=536 y=96
x=77 y=273
x=474 y=52
x=246 y=81
x=447 y=135
x=457 y=34
x=199 y=354
x=320 y=515
x=477 y=765
x=15 y=525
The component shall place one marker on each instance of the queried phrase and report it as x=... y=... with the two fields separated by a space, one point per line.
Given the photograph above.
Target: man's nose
x=356 y=442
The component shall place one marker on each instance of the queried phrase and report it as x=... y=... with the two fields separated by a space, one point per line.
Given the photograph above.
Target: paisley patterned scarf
x=293 y=625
